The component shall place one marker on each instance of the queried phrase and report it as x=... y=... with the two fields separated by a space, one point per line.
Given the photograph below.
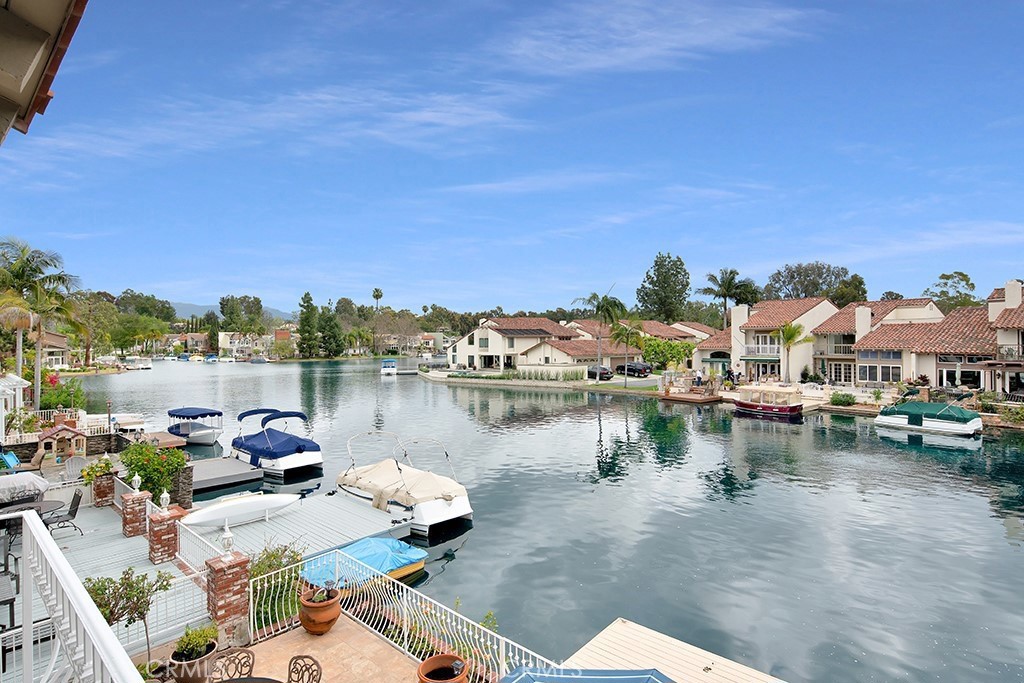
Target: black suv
x=634 y=369
x=605 y=373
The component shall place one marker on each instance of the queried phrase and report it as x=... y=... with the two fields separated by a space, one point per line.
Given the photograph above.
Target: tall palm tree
x=378 y=294
x=21 y=268
x=728 y=285
x=629 y=333
x=608 y=310
x=790 y=335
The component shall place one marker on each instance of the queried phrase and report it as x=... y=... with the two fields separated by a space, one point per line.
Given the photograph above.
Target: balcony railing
x=762 y=349
x=840 y=349
x=1011 y=352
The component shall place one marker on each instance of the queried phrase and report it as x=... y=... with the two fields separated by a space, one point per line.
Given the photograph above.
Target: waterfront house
x=244 y=346
x=577 y=353
x=1006 y=316
x=590 y=329
x=56 y=353
x=698 y=331
x=715 y=352
x=497 y=342
x=834 y=355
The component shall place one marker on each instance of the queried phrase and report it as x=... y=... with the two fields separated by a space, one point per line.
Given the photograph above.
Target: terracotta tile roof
x=656 y=328
x=592 y=327
x=1010 y=319
x=998 y=294
x=845 y=320
x=719 y=341
x=698 y=326
x=769 y=315
x=964 y=330
x=587 y=348
x=511 y=326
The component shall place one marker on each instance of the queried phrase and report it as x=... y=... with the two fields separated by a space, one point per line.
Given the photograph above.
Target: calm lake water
x=814 y=552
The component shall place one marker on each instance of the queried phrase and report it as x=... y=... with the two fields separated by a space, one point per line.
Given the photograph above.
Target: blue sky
x=521 y=154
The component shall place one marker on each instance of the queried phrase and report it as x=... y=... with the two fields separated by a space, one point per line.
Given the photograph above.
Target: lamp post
x=110 y=404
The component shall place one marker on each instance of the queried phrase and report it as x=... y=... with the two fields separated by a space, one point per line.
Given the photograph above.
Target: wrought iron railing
x=194 y=550
x=412 y=622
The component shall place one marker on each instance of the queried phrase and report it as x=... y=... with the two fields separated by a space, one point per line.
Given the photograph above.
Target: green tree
x=804 y=280
x=728 y=285
x=952 y=290
x=378 y=294
x=213 y=335
x=790 y=335
x=309 y=342
x=231 y=313
x=890 y=295
x=332 y=341
x=629 y=334
x=848 y=291
x=662 y=352
x=131 y=301
x=209 y=320
x=607 y=309
x=128 y=599
x=702 y=312
x=98 y=318
x=665 y=288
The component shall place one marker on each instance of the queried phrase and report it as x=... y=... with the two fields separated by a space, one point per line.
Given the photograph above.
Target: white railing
x=98 y=429
x=840 y=349
x=16 y=438
x=88 y=649
x=194 y=550
x=44 y=648
x=121 y=487
x=181 y=605
x=151 y=508
x=762 y=349
x=412 y=622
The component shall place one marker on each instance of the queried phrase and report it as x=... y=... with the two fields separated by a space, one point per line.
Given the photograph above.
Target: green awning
x=723 y=361
x=761 y=359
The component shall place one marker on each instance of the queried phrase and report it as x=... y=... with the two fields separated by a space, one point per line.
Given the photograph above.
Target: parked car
x=605 y=373
x=633 y=369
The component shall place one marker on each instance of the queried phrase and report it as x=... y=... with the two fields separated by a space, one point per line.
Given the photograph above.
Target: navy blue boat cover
x=282 y=414
x=193 y=413
x=525 y=674
x=272 y=443
x=256 y=411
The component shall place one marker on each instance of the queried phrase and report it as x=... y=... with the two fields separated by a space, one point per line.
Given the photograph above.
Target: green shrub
x=842 y=399
x=155 y=466
x=1012 y=414
x=102 y=466
x=194 y=643
x=877 y=395
x=987 y=402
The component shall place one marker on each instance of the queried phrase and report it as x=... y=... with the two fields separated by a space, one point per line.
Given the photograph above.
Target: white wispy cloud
x=540 y=182
x=641 y=35
x=90 y=60
x=81 y=235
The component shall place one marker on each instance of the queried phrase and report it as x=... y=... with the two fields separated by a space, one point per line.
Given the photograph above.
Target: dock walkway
x=624 y=644
x=216 y=473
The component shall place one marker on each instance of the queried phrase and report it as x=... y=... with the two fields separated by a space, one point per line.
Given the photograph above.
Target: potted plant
x=190 y=661
x=442 y=669
x=319 y=608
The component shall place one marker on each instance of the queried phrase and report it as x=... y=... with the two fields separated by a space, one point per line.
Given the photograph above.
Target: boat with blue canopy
x=200 y=426
x=275 y=451
x=389 y=556
x=389 y=366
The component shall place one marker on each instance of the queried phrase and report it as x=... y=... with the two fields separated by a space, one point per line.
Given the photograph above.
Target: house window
x=867 y=373
x=455 y=359
x=890 y=355
x=471 y=338
x=471 y=361
x=867 y=355
x=947 y=358
x=484 y=343
x=511 y=342
x=547 y=359
x=891 y=373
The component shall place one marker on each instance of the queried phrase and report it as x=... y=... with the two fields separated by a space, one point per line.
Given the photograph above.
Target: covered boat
x=275 y=451
x=389 y=366
x=196 y=425
x=389 y=556
x=936 y=418
x=409 y=494
x=776 y=403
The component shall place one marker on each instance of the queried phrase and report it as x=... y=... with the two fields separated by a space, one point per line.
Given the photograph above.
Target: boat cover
x=194 y=413
x=21 y=485
x=388 y=480
x=256 y=411
x=383 y=554
x=931 y=411
x=525 y=674
x=272 y=443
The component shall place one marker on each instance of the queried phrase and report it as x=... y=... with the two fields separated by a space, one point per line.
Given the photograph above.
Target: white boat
x=945 y=442
x=144 y=363
x=935 y=418
x=131 y=362
x=274 y=451
x=247 y=507
x=210 y=358
x=409 y=494
x=227 y=359
x=170 y=356
x=200 y=426
x=389 y=366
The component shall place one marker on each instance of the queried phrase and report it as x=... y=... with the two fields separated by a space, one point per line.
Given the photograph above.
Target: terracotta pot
x=318 y=617
x=193 y=670
x=440 y=669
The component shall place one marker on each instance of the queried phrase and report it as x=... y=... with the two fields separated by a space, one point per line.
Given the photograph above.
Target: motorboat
x=389 y=366
x=196 y=425
x=131 y=362
x=227 y=359
x=170 y=356
x=409 y=494
x=144 y=363
x=389 y=556
x=276 y=452
x=210 y=358
x=765 y=402
x=928 y=440
x=258 y=360
x=196 y=358
x=184 y=357
x=936 y=418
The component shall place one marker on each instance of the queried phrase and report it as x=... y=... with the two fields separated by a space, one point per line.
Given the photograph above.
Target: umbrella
x=957 y=380
x=524 y=674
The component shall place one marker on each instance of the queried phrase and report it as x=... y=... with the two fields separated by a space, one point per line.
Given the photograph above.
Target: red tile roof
x=546 y=325
x=656 y=328
x=998 y=294
x=592 y=327
x=719 y=341
x=964 y=330
x=587 y=348
x=1010 y=319
x=769 y=315
x=845 y=320
x=698 y=326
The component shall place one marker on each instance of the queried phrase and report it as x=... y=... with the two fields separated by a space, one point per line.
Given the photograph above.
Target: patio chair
x=304 y=669
x=235 y=663
x=73 y=467
x=68 y=518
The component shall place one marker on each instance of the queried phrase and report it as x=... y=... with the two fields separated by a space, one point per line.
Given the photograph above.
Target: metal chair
x=68 y=518
x=234 y=663
x=304 y=669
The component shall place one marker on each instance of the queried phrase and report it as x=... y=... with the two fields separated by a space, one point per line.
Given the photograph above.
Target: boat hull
x=947 y=442
x=931 y=426
x=196 y=434
x=240 y=509
x=286 y=464
x=769 y=410
x=423 y=516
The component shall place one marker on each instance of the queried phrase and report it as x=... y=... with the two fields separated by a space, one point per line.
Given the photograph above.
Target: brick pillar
x=163 y=534
x=133 y=513
x=103 y=490
x=227 y=596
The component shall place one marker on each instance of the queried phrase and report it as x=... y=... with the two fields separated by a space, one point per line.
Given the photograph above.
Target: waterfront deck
x=624 y=644
x=217 y=473
x=314 y=524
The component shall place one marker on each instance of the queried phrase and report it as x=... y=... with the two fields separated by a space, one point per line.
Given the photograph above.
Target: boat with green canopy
x=935 y=418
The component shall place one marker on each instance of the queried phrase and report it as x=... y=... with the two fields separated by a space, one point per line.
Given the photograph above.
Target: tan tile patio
x=350 y=653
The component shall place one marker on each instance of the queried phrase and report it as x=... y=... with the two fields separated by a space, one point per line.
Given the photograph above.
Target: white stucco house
x=578 y=352
x=497 y=343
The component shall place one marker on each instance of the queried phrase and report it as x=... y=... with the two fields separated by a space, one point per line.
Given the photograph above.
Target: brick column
x=133 y=513
x=163 y=534
x=103 y=490
x=227 y=596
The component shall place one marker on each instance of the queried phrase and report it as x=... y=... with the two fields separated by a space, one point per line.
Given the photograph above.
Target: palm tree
x=378 y=294
x=608 y=310
x=21 y=268
x=629 y=333
x=728 y=285
x=790 y=335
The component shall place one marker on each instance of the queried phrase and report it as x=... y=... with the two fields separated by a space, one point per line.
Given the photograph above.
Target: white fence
x=121 y=487
x=194 y=550
x=412 y=622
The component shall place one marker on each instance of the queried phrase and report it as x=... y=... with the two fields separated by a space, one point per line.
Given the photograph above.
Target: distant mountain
x=188 y=310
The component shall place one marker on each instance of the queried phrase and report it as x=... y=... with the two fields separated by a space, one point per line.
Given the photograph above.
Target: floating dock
x=164 y=439
x=218 y=473
x=627 y=645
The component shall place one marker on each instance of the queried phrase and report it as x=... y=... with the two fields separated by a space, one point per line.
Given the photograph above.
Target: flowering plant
x=155 y=466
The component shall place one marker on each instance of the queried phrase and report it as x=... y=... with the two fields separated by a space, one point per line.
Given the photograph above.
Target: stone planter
x=318 y=617
x=193 y=670
x=442 y=669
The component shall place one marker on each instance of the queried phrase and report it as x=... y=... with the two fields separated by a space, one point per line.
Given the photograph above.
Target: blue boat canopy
x=194 y=413
x=272 y=443
x=256 y=411
x=282 y=414
x=383 y=554
x=525 y=674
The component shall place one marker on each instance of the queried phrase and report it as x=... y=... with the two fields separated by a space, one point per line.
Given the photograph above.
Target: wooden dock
x=627 y=645
x=164 y=439
x=218 y=473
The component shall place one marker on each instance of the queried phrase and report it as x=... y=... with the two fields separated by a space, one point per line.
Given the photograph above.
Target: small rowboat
x=247 y=507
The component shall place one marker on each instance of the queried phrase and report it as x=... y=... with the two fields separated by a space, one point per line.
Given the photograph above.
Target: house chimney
x=1013 y=293
x=862 y=321
x=740 y=315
